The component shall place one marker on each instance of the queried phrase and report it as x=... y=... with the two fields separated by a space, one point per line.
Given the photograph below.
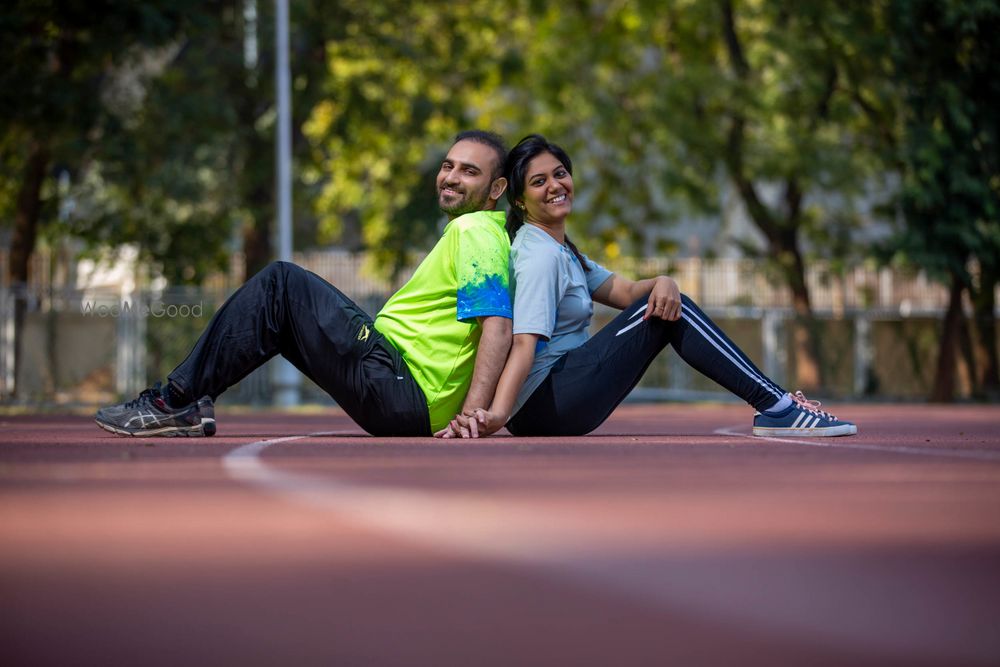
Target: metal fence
x=92 y=343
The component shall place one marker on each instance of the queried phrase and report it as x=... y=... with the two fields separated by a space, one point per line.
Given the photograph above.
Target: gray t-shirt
x=551 y=293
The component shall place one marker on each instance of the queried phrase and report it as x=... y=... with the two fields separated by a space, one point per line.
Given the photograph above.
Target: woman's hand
x=664 y=300
x=489 y=422
x=477 y=425
x=479 y=422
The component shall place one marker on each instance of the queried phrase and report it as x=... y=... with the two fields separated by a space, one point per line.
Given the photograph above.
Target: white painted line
x=836 y=443
x=558 y=543
x=461 y=521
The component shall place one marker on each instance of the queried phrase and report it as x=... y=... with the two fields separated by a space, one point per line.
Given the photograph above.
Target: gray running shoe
x=149 y=415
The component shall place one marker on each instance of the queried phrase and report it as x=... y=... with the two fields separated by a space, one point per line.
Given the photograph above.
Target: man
x=436 y=348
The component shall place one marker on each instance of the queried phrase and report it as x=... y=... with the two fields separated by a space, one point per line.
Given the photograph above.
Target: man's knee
x=280 y=267
x=281 y=273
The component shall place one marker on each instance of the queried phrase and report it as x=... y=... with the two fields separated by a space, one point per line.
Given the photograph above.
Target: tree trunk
x=968 y=353
x=984 y=306
x=257 y=188
x=29 y=206
x=943 y=389
x=257 y=236
x=253 y=154
x=22 y=243
x=257 y=185
x=805 y=329
x=780 y=230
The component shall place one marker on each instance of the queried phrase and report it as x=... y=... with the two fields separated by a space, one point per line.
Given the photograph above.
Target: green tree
x=56 y=59
x=189 y=168
x=785 y=102
x=946 y=57
x=402 y=79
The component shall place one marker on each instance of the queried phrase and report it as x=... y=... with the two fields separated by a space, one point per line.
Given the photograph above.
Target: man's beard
x=469 y=203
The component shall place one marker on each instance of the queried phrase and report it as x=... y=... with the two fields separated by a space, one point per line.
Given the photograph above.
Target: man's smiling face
x=463 y=182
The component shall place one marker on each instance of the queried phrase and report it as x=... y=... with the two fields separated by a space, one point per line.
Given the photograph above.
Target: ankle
x=780 y=404
x=174 y=396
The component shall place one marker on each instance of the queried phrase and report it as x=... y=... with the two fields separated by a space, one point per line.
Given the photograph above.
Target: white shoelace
x=811 y=406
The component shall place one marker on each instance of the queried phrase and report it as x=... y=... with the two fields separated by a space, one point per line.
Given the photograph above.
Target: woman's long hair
x=516 y=169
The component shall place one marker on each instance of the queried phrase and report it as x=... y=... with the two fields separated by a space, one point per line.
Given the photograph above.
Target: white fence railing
x=85 y=343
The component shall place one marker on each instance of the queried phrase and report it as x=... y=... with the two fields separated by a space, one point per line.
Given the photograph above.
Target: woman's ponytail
x=515 y=219
x=579 y=255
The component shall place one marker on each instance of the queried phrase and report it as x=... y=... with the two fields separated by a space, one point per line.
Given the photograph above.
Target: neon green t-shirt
x=432 y=319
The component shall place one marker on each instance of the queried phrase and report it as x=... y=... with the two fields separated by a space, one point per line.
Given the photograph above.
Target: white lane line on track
x=505 y=531
x=451 y=520
x=834 y=443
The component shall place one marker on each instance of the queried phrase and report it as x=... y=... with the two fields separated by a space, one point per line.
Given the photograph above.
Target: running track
x=669 y=537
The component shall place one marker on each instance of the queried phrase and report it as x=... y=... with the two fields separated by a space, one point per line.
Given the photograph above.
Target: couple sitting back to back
x=443 y=357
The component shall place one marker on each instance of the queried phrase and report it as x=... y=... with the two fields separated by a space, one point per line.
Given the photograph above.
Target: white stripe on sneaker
x=798 y=420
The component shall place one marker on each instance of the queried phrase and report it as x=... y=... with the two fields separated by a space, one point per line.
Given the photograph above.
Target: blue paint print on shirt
x=484 y=298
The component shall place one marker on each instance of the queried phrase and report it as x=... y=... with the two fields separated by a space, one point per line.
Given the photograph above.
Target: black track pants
x=588 y=383
x=287 y=310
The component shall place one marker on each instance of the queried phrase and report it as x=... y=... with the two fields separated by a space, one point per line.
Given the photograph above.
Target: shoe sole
x=205 y=429
x=825 y=432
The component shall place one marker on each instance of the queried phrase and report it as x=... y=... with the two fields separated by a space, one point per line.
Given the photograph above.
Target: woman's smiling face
x=548 y=190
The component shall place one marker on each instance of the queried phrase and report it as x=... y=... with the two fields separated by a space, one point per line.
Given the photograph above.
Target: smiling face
x=465 y=182
x=548 y=190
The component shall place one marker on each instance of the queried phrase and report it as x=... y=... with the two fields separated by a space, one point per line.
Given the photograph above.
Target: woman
x=557 y=381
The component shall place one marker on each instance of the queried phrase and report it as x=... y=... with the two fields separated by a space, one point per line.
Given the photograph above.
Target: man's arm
x=494 y=344
x=515 y=372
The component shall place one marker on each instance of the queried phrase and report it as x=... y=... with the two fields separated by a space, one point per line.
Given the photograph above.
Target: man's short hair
x=491 y=139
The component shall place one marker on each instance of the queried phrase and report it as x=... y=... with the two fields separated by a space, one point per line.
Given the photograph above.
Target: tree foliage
x=402 y=79
x=804 y=117
x=676 y=109
x=945 y=56
x=58 y=59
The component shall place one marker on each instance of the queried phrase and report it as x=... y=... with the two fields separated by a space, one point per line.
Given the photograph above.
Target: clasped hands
x=479 y=424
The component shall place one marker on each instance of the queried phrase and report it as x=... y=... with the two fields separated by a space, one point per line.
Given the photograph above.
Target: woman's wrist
x=500 y=413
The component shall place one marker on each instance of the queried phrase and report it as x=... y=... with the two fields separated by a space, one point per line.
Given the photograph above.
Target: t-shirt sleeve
x=596 y=276
x=482 y=259
x=537 y=292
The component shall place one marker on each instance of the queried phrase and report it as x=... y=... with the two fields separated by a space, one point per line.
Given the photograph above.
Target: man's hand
x=477 y=425
x=462 y=426
x=664 y=300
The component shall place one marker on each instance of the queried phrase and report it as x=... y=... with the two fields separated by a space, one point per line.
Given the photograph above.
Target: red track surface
x=655 y=541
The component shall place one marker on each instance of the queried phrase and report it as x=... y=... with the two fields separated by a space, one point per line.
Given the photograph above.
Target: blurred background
x=822 y=177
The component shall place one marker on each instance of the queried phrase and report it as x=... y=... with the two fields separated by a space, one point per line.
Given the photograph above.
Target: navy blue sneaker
x=802 y=418
x=149 y=415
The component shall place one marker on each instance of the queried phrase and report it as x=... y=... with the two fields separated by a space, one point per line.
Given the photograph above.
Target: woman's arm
x=485 y=422
x=664 y=295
